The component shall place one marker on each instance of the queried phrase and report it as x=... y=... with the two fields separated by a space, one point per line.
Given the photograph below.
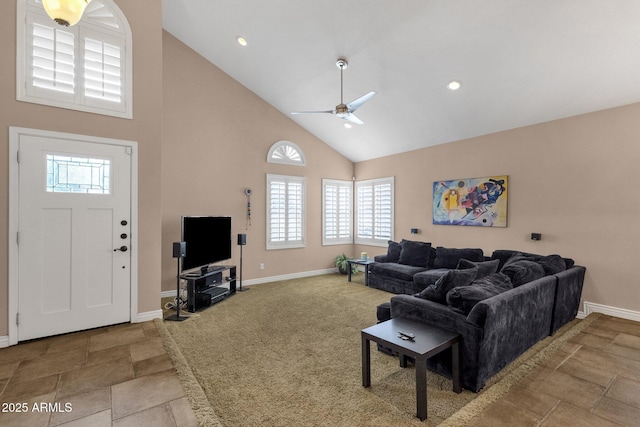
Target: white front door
x=74 y=235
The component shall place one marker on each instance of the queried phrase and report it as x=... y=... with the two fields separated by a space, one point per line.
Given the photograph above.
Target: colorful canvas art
x=472 y=201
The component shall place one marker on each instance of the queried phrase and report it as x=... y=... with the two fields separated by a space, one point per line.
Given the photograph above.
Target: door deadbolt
x=123 y=236
x=123 y=222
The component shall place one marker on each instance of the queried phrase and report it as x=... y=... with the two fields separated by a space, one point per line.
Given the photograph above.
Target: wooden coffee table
x=428 y=341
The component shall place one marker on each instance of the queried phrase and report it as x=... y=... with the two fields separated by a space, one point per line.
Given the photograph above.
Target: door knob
x=121 y=248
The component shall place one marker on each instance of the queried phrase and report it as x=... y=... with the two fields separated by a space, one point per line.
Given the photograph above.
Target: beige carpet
x=288 y=353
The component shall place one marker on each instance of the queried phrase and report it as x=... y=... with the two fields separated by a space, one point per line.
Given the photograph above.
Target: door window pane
x=67 y=174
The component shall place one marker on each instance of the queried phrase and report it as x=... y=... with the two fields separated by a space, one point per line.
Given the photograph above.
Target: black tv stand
x=204 y=288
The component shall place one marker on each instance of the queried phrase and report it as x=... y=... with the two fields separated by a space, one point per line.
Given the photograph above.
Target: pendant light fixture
x=65 y=12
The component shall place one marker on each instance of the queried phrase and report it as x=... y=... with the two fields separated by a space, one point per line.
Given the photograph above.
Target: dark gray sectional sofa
x=501 y=305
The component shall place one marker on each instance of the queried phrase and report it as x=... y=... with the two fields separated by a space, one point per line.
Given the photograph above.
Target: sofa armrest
x=513 y=321
x=568 y=293
x=380 y=258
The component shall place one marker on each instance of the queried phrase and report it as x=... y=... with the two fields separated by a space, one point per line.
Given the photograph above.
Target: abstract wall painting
x=471 y=201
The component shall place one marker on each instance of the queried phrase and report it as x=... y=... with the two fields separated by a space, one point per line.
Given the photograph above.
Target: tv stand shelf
x=205 y=288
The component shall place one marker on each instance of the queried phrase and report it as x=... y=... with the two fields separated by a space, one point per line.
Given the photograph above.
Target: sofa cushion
x=464 y=298
x=393 y=251
x=485 y=268
x=395 y=270
x=449 y=257
x=522 y=271
x=505 y=254
x=519 y=256
x=414 y=253
x=429 y=277
x=552 y=264
x=451 y=279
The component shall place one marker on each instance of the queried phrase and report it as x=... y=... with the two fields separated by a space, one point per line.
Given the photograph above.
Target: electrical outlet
x=261 y=266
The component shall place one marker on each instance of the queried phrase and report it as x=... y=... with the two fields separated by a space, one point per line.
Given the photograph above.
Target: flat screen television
x=208 y=240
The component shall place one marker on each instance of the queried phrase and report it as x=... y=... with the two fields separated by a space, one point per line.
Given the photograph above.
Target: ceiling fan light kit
x=342 y=110
x=65 y=12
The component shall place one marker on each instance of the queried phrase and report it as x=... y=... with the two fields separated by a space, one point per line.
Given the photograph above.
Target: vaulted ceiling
x=520 y=62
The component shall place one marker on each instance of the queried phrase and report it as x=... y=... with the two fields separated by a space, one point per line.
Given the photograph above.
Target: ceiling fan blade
x=313 y=112
x=352 y=118
x=357 y=103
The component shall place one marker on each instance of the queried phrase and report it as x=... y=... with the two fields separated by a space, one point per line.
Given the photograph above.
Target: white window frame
x=377 y=237
x=289 y=241
x=108 y=25
x=337 y=212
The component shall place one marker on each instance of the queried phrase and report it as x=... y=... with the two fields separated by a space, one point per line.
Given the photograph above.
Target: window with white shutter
x=337 y=206
x=374 y=211
x=85 y=67
x=285 y=211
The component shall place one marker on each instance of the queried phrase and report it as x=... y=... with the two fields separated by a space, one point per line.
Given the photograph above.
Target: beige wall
x=145 y=18
x=573 y=180
x=216 y=135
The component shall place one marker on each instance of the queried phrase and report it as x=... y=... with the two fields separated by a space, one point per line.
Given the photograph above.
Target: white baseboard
x=592 y=307
x=288 y=276
x=172 y=294
x=149 y=315
x=4 y=341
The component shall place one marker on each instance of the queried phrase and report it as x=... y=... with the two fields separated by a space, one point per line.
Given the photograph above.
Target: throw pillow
x=552 y=264
x=414 y=253
x=523 y=271
x=393 y=251
x=484 y=268
x=449 y=257
x=466 y=297
x=451 y=279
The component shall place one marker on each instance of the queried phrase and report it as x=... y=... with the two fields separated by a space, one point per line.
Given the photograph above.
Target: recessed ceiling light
x=348 y=125
x=454 y=84
x=241 y=41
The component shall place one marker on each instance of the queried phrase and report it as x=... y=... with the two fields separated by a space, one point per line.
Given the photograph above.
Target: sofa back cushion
x=552 y=264
x=466 y=297
x=449 y=257
x=523 y=271
x=414 y=253
x=485 y=268
x=451 y=279
x=505 y=254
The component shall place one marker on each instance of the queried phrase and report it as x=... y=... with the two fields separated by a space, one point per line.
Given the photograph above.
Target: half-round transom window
x=286 y=152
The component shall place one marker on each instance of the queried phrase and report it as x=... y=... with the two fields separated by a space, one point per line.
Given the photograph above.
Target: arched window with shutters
x=286 y=152
x=86 y=67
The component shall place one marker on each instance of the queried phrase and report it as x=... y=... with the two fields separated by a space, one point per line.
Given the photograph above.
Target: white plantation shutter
x=86 y=67
x=53 y=58
x=374 y=211
x=337 y=207
x=285 y=211
x=102 y=70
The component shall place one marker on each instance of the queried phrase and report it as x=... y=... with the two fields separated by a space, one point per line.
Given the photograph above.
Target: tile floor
x=122 y=376
x=594 y=380
x=113 y=376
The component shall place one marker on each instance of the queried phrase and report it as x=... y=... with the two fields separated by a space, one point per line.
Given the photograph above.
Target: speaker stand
x=240 y=288
x=176 y=317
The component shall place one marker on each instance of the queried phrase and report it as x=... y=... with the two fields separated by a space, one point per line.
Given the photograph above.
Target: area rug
x=289 y=353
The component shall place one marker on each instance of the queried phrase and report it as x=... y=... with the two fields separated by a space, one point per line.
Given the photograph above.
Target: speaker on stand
x=179 y=251
x=242 y=240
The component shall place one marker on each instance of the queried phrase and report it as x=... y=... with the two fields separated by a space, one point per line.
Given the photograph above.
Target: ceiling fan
x=342 y=110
